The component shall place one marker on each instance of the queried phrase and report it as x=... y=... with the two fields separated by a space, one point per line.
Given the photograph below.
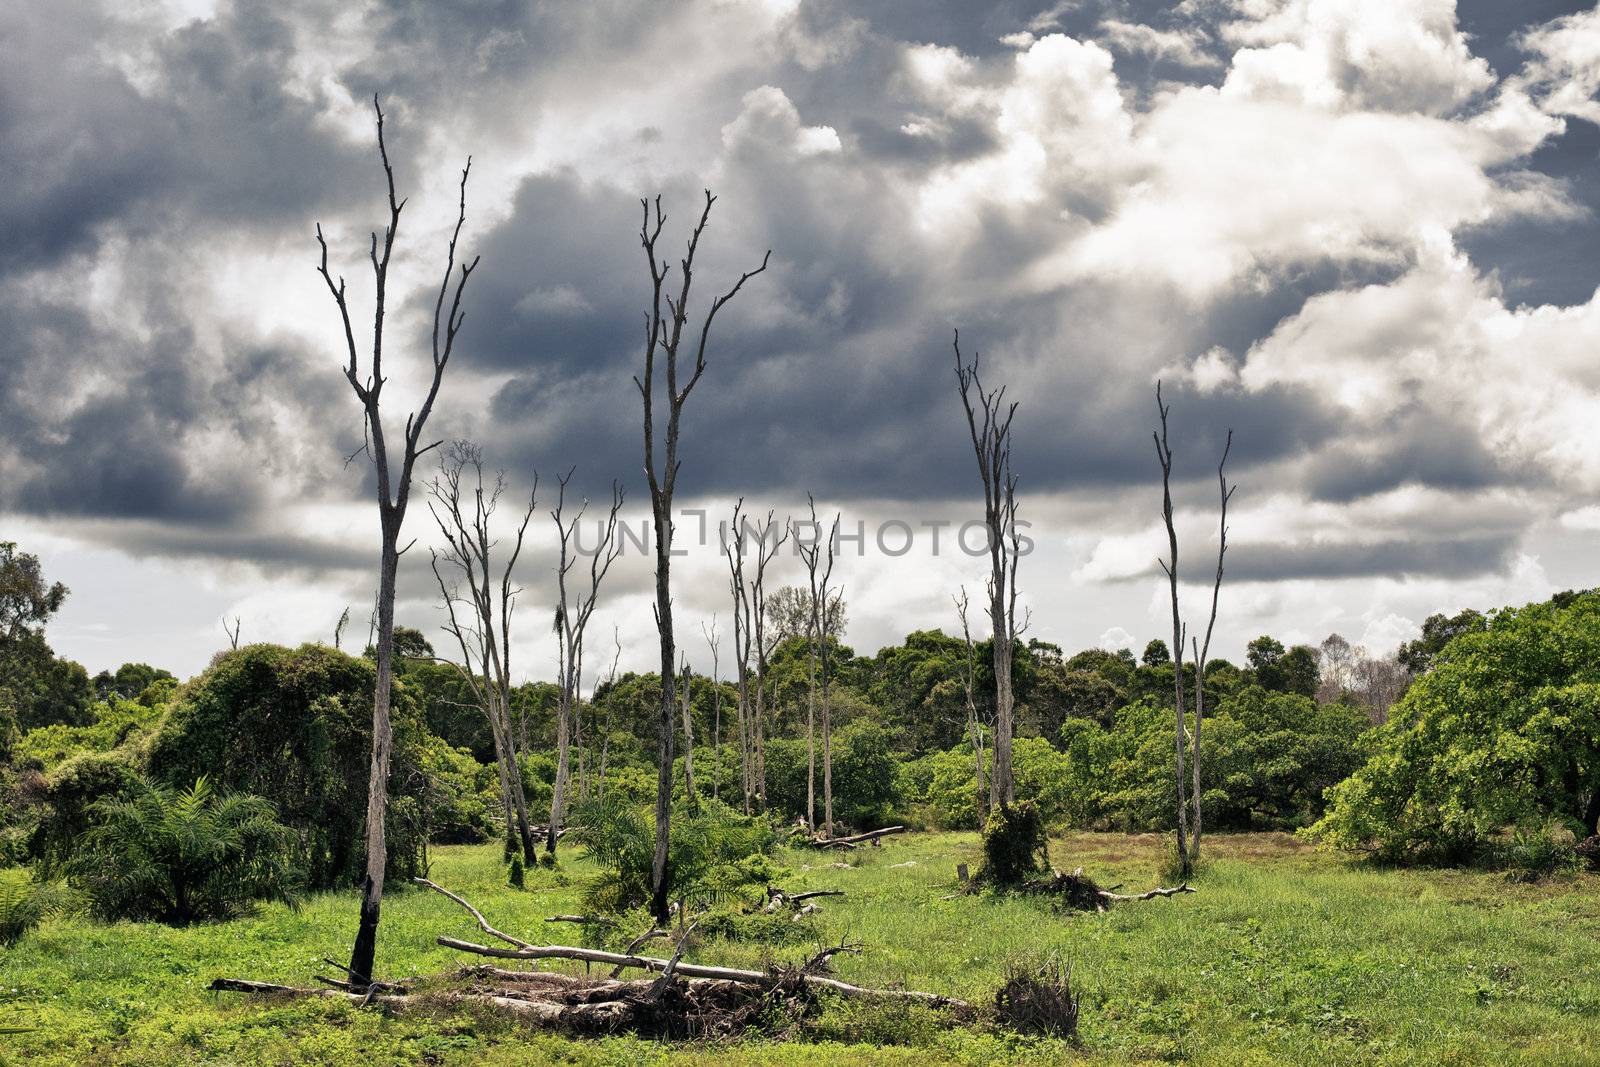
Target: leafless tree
x=714 y=643
x=573 y=611
x=394 y=488
x=734 y=548
x=687 y=691
x=1202 y=650
x=1180 y=738
x=605 y=729
x=989 y=423
x=751 y=639
x=817 y=554
x=338 y=627
x=769 y=541
x=663 y=342
x=232 y=632
x=479 y=600
x=974 y=721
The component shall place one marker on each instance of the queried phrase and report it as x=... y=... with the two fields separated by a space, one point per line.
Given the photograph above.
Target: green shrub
x=1530 y=854
x=1502 y=732
x=710 y=850
x=1015 y=845
x=516 y=876
x=183 y=856
x=294 y=725
x=24 y=901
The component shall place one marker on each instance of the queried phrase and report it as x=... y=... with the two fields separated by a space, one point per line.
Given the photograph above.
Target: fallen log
x=697 y=970
x=1077 y=890
x=854 y=840
x=778 y=899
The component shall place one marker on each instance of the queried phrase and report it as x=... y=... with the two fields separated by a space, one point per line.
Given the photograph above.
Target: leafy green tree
x=1438 y=630
x=1503 y=731
x=128 y=681
x=183 y=856
x=1295 y=671
x=1156 y=654
x=36 y=686
x=294 y=725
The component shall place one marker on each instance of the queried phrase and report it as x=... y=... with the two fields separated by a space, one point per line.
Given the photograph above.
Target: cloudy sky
x=1359 y=233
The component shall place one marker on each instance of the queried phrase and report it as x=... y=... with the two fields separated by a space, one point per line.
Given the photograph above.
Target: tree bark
x=1164 y=456
x=665 y=321
x=393 y=489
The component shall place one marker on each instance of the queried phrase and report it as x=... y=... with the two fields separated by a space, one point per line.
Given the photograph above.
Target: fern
x=181 y=856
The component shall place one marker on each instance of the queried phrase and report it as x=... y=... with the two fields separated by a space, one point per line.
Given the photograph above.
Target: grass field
x=1285 y=955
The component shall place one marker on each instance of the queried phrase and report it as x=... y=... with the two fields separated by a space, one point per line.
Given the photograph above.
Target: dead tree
x=974 y=722
x=989 y=423
x=1203 y=650
x=571 y=621
x=479 y=615
x=687 y=693
x=815 y=555
x=338 y=628
x=734 y=549
x=605 y=730
x=769 y=542
x=713 y=641
x=394 y=489
x=1164 y=457
x=232 y=632
x=663 y=342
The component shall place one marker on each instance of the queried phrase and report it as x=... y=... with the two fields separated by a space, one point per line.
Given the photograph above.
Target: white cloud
x=1565 y=71
x=1184 y=47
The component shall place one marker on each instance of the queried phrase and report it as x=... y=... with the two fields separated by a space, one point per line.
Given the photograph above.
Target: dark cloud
x=1439 y=557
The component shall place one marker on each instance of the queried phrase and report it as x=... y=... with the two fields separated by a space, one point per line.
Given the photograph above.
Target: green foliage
x=1015 y=846
x=709 y=850
x=1266 y=759
x=60 y=812
x=516 y=874
x=183 y=856
x=1533 y=853
x=457 y=796
x=24 y=901
x=131 y=681
x=1503 y=732
x=116 y=723
x=294 y=725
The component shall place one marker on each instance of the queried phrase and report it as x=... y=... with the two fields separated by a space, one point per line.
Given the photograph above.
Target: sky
x=1359 y=234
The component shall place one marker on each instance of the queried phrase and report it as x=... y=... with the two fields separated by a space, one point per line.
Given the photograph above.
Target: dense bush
x=1266 y=759
x=24 y=901
x=294 y=725
x=713 y=851
x=1043 y=775
x=1015 y=845
x=1501 y=734
x=183 y=856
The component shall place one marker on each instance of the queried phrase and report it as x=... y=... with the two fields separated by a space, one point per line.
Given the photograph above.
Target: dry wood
x=854 y=839
x=393 y=492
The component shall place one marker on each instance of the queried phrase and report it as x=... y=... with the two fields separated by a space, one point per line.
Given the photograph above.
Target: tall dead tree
x=394 y=489
x=1179 y=737
x=479 y=615
x=714 y=643
x=989 y=423
x=1203 y=649
x=233 y=633
x=663 y=342
x=734 y=549
x=605 y=729
x=769 y=541
x=816 y=555
x=969 y=674
x=573 y=611
x=686 y=690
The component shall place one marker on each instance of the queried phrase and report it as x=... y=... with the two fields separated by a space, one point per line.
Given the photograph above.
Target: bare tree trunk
x=1202 y=651
x=817 y=631
x=716 y=707
x=974 y=724
x=663 y=336
x=688 y=734
x=1164 y=455
x=991 y=443
x=393 y=496
x=735 y=551
x=571 y=623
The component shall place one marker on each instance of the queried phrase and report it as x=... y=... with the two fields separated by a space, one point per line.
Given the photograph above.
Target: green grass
x=1284 y=956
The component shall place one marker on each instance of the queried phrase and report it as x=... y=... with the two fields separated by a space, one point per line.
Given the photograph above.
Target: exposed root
x=1079 y=892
